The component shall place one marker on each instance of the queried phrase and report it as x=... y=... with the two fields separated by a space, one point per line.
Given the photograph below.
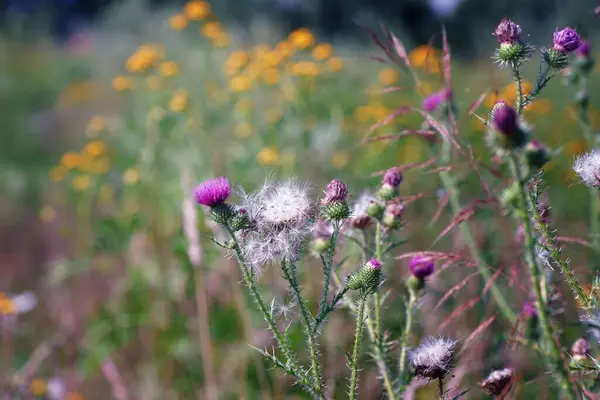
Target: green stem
x=518 y=83
x=289 y=272
x=360 y=321
x=327 y=265
x=378 y=256
x=465 y=231
x=554 y=360
x=405 y=337
x=281 y=339
x=441 y=387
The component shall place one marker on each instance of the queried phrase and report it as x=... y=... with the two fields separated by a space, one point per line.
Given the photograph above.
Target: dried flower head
x=281 y=203
x=421 y=266
x=566 y=40
x=507 y=32
x=433 y=358
x=587 y=167
x=432 y=102
x=336 y=191
x=360 y=219
x=580 y=349
x=498 y=381
x=212 y=192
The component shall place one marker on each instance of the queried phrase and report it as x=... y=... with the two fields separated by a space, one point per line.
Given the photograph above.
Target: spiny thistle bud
x=555 y=59
x=587 y=167
x=512 y=51
x=336 y=191
x=580 y=350
x=375 y=209
x=368 y=278
x=434 y=357
x=505 y=124
x=536 y=154
x=392 y=216
x=337 y=210
x=432 y=102
x=498 y=381
x=420 y=268
x=566 y=40
x=240 y=220
x=213 y=193
x=391 y=181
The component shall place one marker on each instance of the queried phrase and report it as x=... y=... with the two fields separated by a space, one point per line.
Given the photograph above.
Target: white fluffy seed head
x=496 y=382
x=281 y=203
x=433 y=358
x=587 y=167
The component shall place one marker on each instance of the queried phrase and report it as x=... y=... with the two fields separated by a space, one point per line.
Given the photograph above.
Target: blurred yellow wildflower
x=58 y=173
x=196 y=10
x=285 y=49
x=268 y=156
x=131 y=176
x=212 y=30
x=240 y=83
x=335 y=64
x=302 y=38
x=243 y=130
x=154 y=82
x=305 y=68
x=106 y=193
x=236 y=60
x=99 y=166
x=425 y=88
x=70 y=160
x=270 y=76
x=222 y=40
x=426 y=58
x=179 y=101
x=80 y=182
x=145 y=57
x=78 y=92
x=7 y=306
x=322 y=51
x=47 y=214
x=38 y=387
x=94 y=148
x=95 y=125
x=388 y=76
x=339 y=159
x=178 y=22
x=168 y=68
x=121 y=83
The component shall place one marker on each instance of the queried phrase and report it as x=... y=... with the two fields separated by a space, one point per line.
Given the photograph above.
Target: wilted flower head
x=496 y=382
x=421 y=266
x=432 y=102
x=536 y=154
x=393 y=177
x=580 y=349
x=212 y=192
x=566 y=40
x=507 y=32
x=336 y=191
x=587 y=167
x=433 y=358
x=584 y=49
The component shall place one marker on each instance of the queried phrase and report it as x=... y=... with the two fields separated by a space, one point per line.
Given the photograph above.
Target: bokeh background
x=111 y=111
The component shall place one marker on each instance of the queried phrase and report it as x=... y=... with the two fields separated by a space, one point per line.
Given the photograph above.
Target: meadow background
x=107 y=122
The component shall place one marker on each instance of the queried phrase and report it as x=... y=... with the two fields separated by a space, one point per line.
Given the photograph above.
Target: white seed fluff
x=362 y=203
x=433 y=357
x=587 y=167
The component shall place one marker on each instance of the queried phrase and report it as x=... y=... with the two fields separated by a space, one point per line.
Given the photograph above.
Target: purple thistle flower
x=580 y=349
x=393 y=177
x=566 y=40
x=373 y=264
x=336 y=191
x=434 y=100
x=507 y=32
x=584 y=49
x=421 y=266
x=529 y=309
x=504 y=118
x=212 y=192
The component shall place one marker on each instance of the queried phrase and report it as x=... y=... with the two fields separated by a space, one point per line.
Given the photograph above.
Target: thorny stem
x=360 y=321
x=554 y=358
x=289 y=271
x=556 y=254
x=405 y=336
x=329 y=307
x=519 y=85
x=281 y=339
x=465 y=231
x=378 y=256
x=327 y=265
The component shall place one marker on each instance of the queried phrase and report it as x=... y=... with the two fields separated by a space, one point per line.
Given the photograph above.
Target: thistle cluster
x=565 y=41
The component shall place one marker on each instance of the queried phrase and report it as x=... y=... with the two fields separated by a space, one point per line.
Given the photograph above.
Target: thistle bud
x=512 y=51
x=375 y=209
x=580 y=350
x=391 y=181
x=392 y=216
x=434 y=358
x=555 y=59
x=337 y=210
x=367 y=279
x=536 y=155
x=213 y=193
x=505 y=123
x=498 y=381
x=240 y=220
x=334 y=202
